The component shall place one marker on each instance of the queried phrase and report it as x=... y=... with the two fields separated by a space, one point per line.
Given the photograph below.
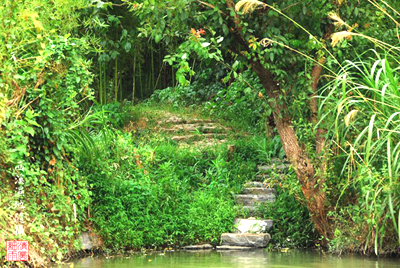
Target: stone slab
x=253 y=225
x=198 y=247
x=257 y=184
x=259 y=191
x=179 y=120
x=245 y=240
x=264 y=177
x=233 y=248
x=273 y=167
x=254 y=200
x=188 y=128
x=198 y=136
x=90 y=241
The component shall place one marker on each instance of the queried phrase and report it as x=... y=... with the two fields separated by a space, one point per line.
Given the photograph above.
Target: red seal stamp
x=17 y=250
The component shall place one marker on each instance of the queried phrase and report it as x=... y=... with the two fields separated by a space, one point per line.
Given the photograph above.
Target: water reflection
x=235 y=259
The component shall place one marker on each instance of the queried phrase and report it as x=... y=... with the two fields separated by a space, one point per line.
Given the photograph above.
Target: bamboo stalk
x=116 y=79
x=140 y=82
x=159 y=75
x=100 y=84
x=152 y=70
x=105 y=84
x=134 y=78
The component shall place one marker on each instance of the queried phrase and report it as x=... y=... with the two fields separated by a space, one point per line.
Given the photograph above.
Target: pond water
x=242 y=259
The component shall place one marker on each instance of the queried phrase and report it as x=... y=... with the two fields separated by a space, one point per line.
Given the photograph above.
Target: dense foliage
x=45 y=83
x=316 y=82
x=351 y=170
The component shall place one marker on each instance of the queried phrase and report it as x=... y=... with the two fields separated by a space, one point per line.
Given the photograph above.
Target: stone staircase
x=194 y=132
x=251 y=232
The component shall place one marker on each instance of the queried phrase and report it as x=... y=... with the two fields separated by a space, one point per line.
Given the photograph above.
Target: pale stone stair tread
x=250 y=199
x=226 y=247
x=178 y=120
x=197 y=136
x=90 y=241
x=198 y=124
x=259 y=191
x=203 y=143
x=198 y=247
x=199 y=129
x=245 y=240
x=256 y=184
x=273 y=167
x=252 y=225
x=265 y=176
x=204 y=128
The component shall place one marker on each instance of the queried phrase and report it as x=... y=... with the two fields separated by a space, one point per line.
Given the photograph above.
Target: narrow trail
x=195 y=132
x=187 y=129
x=191 y=131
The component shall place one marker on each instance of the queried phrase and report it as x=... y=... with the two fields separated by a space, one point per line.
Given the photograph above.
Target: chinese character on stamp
x=17 y=250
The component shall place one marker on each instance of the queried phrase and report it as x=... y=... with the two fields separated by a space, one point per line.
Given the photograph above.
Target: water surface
x=237 y=259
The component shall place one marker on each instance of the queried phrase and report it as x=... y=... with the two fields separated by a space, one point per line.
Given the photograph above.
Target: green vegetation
x=313 y=82
x=368 y=103
x=150 y=193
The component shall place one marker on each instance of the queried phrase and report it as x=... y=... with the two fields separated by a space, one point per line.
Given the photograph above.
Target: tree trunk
x=314 y=195
x=320 y=133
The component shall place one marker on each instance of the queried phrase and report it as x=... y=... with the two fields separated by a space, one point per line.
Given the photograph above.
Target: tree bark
x=320 y=132
x=316 y=74
x=310 y=183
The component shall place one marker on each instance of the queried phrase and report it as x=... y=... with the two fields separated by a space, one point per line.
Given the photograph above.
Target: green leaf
x=127 y=46
x=21 y=149
x=157 y=38
x=225 y=29
x=30 y=131
x=369 y=141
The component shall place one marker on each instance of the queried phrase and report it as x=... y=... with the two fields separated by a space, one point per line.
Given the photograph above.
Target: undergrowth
x=148 y=192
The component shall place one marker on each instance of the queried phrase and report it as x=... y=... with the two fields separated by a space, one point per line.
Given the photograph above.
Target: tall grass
x=364 y=101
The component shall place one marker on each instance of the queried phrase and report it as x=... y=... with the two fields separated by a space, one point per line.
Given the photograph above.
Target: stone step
x=245 y=240
x=198 y=247
x=224 y=248
x=200 y=130
x=256 y=184
x=179 y=120
x=265 y=177
x=211 y=143
x=90 y=241
x=206 y=128
x=252 y=225
x=273 y=167
x=259 y=191
x=254 y=200
x=198 y=136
